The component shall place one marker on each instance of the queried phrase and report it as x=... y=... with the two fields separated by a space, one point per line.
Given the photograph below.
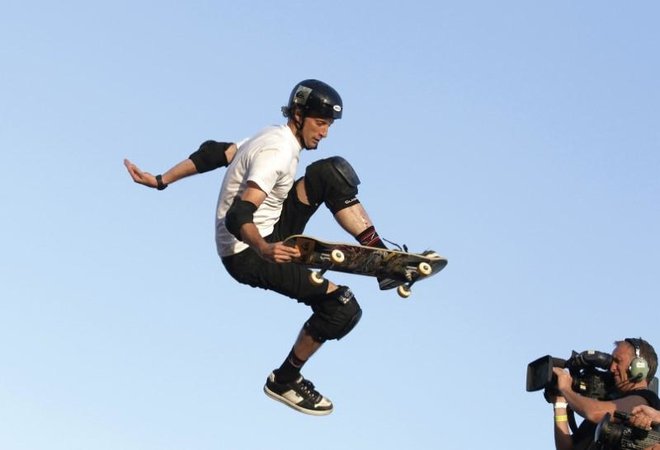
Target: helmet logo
x=337 y=108
x=301 y=95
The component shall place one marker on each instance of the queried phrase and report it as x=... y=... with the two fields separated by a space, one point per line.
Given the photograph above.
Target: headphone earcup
x=639 y=369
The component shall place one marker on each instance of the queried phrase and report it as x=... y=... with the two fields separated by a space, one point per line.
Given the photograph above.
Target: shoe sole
x=311 y=412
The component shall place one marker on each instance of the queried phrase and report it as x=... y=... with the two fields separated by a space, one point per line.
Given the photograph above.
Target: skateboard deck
x=403 y=267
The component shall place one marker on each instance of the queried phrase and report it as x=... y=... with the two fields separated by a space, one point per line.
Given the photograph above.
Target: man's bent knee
x=335 y=315
x=333 y=181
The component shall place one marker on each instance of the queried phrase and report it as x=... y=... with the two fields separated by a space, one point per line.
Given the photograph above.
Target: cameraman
x=631 y=391
x=642 y=417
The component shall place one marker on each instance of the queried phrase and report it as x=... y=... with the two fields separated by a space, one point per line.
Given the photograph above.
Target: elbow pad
x=240 y=212
x=210 y=156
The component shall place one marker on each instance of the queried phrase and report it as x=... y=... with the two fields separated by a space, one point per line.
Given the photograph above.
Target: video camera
x=588 y=369
x=622 y=436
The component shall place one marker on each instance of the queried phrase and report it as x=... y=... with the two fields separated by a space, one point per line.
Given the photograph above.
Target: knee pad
x=335 y=315
x=332 y=181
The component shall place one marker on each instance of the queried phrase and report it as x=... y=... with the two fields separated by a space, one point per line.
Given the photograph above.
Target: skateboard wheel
x=337 y=256
x=403 y=291
x=425 y=269
x=316 y=278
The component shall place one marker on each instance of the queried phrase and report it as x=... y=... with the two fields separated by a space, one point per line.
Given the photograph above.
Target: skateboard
x=403 y=267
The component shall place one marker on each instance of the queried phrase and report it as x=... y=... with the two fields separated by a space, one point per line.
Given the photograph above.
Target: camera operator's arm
x=563 y=439
x=589 y=408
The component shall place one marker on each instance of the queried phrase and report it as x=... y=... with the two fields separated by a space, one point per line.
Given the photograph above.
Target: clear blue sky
x=520 y=139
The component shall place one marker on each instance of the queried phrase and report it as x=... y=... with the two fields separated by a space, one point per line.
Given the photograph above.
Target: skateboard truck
x=424 y=269
x=336 y=258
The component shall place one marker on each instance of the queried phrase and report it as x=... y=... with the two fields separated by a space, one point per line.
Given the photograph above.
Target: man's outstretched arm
x=210 y=156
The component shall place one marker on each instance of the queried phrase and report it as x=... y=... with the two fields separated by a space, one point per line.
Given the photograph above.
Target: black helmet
x=315 y=99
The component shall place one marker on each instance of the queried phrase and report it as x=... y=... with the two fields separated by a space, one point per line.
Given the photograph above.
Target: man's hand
x=643 y=416
x=140 y=177
x=564 y=380
x=279 y=253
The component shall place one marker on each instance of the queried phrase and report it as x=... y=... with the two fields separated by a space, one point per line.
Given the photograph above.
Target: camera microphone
x=624 y=416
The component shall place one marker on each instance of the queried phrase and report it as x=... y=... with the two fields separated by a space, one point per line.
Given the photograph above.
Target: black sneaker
x=430 y=254
x=299 y=395
x=387 y=283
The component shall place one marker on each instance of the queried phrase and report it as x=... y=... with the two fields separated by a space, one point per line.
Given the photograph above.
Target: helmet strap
x=299 y=128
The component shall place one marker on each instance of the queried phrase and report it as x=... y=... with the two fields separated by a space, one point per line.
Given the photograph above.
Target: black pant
x=287 y=279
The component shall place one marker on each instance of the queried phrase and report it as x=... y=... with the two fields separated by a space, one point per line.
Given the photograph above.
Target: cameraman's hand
x=564 y=379
x=643 y=417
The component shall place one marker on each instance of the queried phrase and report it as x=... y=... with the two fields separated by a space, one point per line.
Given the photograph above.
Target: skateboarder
x=260 y=204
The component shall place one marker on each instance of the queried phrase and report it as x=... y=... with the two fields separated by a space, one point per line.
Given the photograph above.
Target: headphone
x=639 y=367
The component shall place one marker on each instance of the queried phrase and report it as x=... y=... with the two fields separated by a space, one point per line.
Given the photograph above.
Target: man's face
x=314 y=129
x=622 y=356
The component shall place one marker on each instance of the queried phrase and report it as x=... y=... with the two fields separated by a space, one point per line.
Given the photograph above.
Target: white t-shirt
x=269 y=159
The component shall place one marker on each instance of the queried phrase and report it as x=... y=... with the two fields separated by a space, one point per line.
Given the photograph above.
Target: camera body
x=622 y=436
x=589 y=370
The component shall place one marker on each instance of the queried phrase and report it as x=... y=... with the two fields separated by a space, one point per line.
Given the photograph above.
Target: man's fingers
x=284 y=253
x=138 y=175
x=135 y=173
